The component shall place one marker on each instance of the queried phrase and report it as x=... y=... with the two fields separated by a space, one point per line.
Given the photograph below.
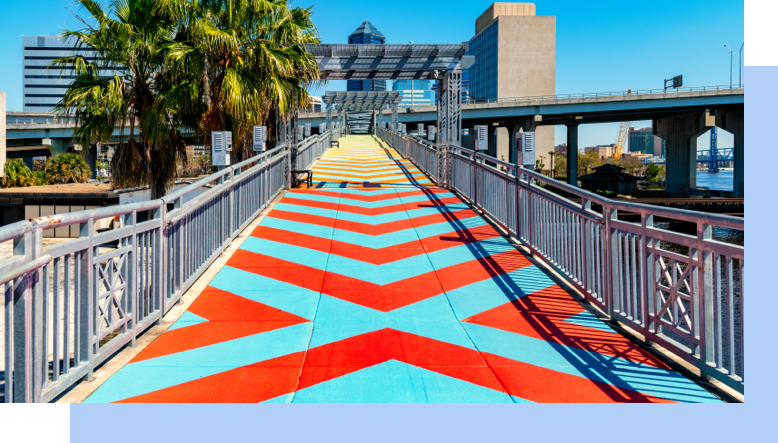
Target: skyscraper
x=43 y=87
x=515 y=56
x=366 y=34
x=644 y=141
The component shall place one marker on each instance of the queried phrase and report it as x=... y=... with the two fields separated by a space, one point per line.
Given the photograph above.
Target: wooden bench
x=335 y=144
x=296 y=181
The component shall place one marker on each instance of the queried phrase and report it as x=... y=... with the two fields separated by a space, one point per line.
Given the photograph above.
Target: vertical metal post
x=19 y=379
x=87 y=298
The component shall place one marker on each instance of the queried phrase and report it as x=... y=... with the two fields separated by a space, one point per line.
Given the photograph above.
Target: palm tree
x=132 y=38
x=247 y=58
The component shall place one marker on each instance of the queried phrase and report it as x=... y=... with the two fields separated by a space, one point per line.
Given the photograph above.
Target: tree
x=654 y=174
x=561 y=164
x=247 y=58
x=588 y=161
x=134 y=39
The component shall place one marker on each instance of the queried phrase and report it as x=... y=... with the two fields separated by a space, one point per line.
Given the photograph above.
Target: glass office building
x=366 y=34
x=43 y=87
x=482 y=76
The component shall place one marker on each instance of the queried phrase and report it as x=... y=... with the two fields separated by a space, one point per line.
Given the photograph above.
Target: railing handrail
x=151 y=262
x=727 y=221
x=604 y=256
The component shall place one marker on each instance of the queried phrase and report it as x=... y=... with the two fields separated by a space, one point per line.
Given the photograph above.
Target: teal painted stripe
x=162 y=372
x=397 y=382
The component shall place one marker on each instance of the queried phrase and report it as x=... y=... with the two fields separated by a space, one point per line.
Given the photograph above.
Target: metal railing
x=630 y=93
x=681 y=291
x=71 y=306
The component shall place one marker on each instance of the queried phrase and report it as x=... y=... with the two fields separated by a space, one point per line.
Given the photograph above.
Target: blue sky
x=601 y=45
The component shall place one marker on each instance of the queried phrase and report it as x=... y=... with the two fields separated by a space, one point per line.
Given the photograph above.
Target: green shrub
x=39 y=178
x=67 y=168
x=606 y=193
x=17 y=174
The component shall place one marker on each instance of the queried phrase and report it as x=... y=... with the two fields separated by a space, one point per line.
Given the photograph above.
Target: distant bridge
x=723 y=155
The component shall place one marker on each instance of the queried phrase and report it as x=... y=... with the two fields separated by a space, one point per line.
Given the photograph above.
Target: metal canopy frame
x=361 y=101
x=443 y=63
x=386 y=62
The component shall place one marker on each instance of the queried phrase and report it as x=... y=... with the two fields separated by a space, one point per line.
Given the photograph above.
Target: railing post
x=161 y=259
x=650 y=271
x=704 y=316
x=19 y=379
x=86 y=302
x=129 y=274
x=613 y=264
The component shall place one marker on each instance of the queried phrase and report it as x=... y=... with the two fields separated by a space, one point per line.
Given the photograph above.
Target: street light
x=739 y=68
x=730 y=64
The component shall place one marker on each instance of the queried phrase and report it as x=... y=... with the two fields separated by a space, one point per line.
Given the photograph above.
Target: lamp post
x=739 y=68
x=730 y=64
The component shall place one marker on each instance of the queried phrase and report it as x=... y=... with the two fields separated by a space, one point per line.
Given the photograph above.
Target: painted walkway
x=376 y=286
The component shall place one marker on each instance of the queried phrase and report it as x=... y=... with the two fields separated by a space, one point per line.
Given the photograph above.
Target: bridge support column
x=731 y=120
x=525 y=124
x=394 y=117
x=680 y=133
x=572 y=153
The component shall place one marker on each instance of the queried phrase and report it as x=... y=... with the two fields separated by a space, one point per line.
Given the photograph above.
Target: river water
x=720 y=181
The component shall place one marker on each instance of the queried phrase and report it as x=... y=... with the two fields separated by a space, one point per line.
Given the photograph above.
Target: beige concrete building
x=603 y=151
x=515 y=56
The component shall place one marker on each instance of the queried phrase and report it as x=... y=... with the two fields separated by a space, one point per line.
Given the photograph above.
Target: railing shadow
x=607 y=357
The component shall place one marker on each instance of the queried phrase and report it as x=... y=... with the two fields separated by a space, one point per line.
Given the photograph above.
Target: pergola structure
x=443 y=63
x=361 y=101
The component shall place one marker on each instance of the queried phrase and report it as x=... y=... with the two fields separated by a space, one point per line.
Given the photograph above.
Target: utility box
x=300 y=129
x=431 y=133
x=307 y=130
x=525 y=147
x=221 y=147
x=402 y=128
x=260 y=137
x=420 y=130
x=481 y=141
x=322 y=128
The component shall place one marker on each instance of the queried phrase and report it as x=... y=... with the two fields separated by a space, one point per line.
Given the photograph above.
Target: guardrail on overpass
x=628 y=93
x=70 y=306
x=682 y=292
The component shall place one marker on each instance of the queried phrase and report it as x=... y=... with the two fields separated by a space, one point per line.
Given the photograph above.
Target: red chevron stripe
x=231 y=317
x=377 y=256
x=373 y=178
x=248 y=384
x=369 y=198
x=393 y=169
x=382 y=298
x=364 y=228
x=353 y=354
x=541 y=315
x=543 y=385
x=371 y=211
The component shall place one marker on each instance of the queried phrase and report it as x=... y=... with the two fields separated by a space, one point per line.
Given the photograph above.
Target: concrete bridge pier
x=59 y=146
x=526 y=124
x=572 y=151
x=680 y=133
x=731 y=120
